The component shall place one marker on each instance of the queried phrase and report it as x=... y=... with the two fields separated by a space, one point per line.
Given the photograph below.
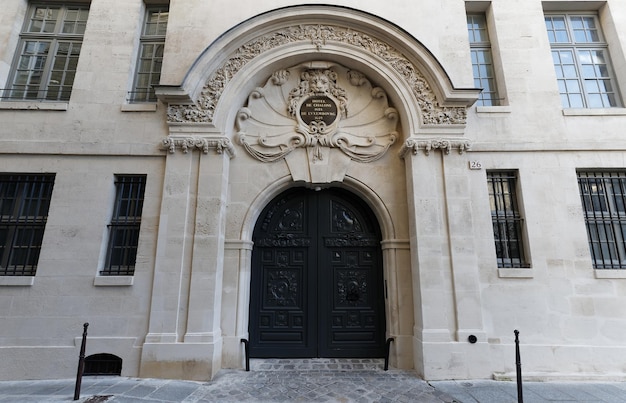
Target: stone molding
x=413 y=146
x=318 y=35
x=198 y=142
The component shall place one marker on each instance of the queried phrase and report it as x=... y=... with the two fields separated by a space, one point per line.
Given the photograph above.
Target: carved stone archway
x=212 y=113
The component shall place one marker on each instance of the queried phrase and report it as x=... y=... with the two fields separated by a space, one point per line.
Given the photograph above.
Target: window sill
x=17 y=281
x=33 y=106
x=493 y=109
x=516 y=273
x=113 y=281
x=594 y=112
x=609 y=273
x=139 y=107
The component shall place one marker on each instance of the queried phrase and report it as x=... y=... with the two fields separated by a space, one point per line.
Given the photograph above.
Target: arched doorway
x=317 y=287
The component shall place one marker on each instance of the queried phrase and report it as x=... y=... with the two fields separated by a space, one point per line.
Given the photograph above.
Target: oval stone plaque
x=318 y=108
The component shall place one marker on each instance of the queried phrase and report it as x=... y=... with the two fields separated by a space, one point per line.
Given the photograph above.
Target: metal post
x=387 y=350
x=518 y=366
x=247 y=351
x=81 y=363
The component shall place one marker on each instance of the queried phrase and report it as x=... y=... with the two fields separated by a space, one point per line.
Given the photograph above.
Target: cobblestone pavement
x=314 y=380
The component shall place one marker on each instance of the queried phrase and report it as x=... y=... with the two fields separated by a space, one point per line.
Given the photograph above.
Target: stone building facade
x=315 y=179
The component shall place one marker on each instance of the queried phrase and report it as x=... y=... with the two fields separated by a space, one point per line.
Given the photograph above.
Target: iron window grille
x=506 y=219
x=24 y=205
x=482 y=60
x=149 y=63
x=124 y=227
x=603 y=196
x=581 y=61
x=48 y=51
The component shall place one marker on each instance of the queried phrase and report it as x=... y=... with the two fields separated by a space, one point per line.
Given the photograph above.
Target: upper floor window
x=581 y=60
x=603 y=196
x=482 y=60
x=47 y=55
x=506 y=219
x=24 y=204
x=152 y=42
x=125 y=224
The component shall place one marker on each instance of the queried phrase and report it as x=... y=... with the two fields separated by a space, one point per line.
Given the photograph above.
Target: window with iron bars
x=482 y=60
x=603 y=196
x=48 y=51
x=152 y=44
x=124 y=227
x=506 y=219
x=24 y=205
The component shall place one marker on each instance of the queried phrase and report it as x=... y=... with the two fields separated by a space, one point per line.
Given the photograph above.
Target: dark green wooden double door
x=317 y=284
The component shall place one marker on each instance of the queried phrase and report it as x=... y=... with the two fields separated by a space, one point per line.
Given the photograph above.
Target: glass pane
x=588 y=70
x=43 y=20
x=597 y=56
x=569 y=71
x=594 y=101
x=556 y=28
x=572 y=86
x=576 y=101
x=592 y=86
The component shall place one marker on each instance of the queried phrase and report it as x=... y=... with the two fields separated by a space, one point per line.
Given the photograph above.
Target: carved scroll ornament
x=315 y=108
x=318 y=35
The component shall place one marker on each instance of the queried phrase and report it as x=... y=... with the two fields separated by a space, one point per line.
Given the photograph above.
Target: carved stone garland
x=316 y=108
x=318 y=35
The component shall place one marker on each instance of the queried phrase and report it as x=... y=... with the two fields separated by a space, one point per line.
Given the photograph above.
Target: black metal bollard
x=81 y=363
x=247 y=352
x=518 y=367
x=387 y=351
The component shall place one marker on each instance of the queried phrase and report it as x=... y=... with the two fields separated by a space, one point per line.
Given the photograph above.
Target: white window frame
x=150 y=55
x=483 y=66
x=40 y=70
x=582 y=83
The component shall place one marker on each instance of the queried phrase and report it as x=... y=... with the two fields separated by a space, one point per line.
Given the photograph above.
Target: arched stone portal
x=251 y=94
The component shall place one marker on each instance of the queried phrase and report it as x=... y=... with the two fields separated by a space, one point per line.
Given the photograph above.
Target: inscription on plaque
x=318 y=109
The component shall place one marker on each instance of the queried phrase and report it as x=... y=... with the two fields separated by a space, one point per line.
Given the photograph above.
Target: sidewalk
x=485 y=391
x=342 y=381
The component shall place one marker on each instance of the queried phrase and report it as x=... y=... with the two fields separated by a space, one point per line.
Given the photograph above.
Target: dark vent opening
x=103 y=364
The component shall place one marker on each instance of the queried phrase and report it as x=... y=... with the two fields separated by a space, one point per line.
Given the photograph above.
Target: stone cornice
x=413 y=145
x=198 y=142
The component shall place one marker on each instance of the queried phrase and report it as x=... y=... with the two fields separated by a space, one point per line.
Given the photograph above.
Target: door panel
x=316 y=287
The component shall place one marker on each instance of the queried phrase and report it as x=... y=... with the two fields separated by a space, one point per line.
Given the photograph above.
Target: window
x=581 y=61
x=603 y=197
x=482 y=61
x=506 y=219
x=124 y=227
x=50 y=42
x=24 y=204
x=150 y=54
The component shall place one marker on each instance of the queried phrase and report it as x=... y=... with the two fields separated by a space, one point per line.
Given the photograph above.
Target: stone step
x=316 y=364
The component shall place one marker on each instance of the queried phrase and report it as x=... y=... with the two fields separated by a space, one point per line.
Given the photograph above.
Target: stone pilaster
x=184 y=339
x=444 y=265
